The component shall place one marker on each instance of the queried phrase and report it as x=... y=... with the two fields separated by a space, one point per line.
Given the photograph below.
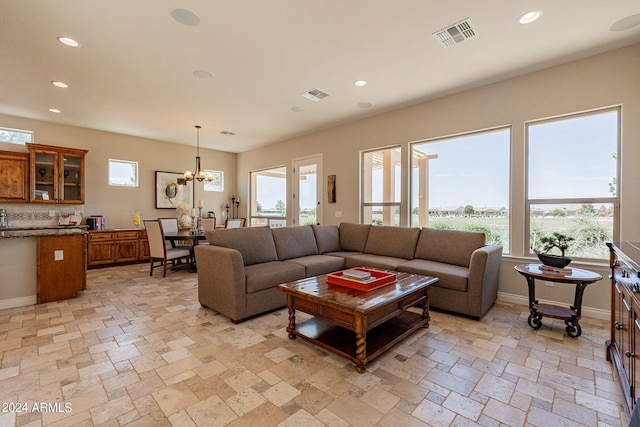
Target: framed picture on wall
x=172 y=189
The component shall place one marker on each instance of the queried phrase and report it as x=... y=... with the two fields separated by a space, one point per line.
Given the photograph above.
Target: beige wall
x=119 y=204
x=603 y=80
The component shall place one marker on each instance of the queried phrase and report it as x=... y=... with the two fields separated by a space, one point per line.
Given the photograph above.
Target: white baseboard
x=18 y=302
x=596 y=313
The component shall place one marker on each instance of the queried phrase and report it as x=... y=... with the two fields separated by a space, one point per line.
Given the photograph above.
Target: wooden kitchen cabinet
x=62 y=267
x=113 y=247
x=623 y=349
x=14 y=177
x=56 y=174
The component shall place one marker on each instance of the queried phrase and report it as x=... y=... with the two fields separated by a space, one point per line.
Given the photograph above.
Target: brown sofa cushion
x=353 y=237
x=316 y=265
x=396 y=242
x=448 y=246
x=294 y=242
x=327 y=238
x=254 y=243
x=451 y=276
x=270 y=274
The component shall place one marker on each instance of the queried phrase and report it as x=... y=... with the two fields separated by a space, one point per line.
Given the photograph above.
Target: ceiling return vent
x=315 y=95
x=456 y=34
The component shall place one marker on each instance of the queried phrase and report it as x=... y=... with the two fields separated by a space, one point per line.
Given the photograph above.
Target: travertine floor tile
x=136 y=350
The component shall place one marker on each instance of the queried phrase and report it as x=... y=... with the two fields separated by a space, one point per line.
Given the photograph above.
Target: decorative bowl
x=554 y=260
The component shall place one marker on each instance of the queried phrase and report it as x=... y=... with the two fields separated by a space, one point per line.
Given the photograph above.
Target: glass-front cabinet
x=57 y=174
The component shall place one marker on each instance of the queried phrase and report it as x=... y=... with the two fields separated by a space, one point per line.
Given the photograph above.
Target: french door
x=307 y=190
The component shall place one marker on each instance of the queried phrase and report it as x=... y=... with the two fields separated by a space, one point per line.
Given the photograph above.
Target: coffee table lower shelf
x=342 y=341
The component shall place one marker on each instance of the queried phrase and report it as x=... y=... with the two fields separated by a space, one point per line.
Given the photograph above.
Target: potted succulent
x=556 y=240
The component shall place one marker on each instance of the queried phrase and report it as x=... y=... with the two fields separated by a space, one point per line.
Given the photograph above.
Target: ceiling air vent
x=456 y=34
x=314 y=95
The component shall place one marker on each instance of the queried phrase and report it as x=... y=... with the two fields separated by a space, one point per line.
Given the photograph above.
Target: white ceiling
x=133 y=73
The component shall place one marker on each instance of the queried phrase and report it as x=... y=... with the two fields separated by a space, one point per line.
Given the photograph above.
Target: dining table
x=192 y=237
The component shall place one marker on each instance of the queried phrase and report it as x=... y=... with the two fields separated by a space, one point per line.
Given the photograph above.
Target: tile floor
x=139 y=351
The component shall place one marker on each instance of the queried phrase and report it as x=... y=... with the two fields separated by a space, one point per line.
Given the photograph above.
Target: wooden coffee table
x=379 y=318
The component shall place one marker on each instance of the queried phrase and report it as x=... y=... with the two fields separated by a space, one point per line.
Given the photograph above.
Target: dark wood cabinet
x=127 y=244
x=14 y=177
x=623 y=349
x=56 y=174
x=112 y=247
x=62 y=267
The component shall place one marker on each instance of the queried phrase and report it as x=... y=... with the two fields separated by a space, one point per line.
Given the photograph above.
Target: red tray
x=377 y=280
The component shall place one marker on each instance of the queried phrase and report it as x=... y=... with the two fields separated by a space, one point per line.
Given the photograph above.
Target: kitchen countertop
x=11 y=232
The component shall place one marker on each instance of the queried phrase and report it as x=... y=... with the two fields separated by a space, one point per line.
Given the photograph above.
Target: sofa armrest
x=484 y=269
x=221 y=280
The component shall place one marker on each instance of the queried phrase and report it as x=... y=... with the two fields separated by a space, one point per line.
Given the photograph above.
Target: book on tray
x=549 y=269
x=355 y=274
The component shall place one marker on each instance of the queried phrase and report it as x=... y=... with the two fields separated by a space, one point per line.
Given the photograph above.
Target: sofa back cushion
x=448 y=246
x=353 y=237
x=254 y=243
x=327 y=238
x=398 y=242
x=294 y=242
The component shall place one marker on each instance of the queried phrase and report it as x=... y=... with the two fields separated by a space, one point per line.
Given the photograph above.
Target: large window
x=268 y=197
x=572 y=181
x=462 y=183
x=381 y=190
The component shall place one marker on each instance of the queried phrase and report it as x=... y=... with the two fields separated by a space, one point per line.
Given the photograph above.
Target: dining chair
x=234 y=223
x=158 y=251
x=209 y=224
x=170 y=225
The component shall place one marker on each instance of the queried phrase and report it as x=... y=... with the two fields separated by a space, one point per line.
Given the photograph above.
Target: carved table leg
x=292 y=322
x=361 y=352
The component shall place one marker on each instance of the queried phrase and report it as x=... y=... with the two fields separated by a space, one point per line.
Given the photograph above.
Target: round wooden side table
x=571 y=315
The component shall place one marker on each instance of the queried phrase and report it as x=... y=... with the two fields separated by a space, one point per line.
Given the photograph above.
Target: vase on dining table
x=184 y=220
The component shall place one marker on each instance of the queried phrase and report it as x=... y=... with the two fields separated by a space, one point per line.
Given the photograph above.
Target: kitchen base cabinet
x=113 y=247
x=623 y=349
x=62 y=267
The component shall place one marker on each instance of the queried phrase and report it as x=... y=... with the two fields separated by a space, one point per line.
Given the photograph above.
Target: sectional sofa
x=239 y=270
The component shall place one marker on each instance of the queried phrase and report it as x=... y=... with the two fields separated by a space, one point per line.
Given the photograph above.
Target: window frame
x=209 y=185
x=269 y=220
x=127 y=162
x=17 y=131
x=508 y=128
x=614 y=201
x=399 y=205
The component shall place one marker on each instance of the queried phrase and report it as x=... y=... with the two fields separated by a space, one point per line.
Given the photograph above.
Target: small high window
x=16 y=136
x=123 y=173
x=217 y=183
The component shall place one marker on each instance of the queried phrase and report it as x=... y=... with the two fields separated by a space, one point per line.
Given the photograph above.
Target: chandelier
x=199 y=174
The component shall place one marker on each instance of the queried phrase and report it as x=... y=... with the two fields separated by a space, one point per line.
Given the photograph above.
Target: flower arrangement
x=182 y=208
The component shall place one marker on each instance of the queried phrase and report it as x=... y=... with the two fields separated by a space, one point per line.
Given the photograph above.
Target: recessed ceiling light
x=298 y=109
x=530 y=17
x=364 y=104
x=68 y=41
x=60 y=84
x=185 y=17
x=625 y=23
x=202 y=74
x=360 y=83
x=55 y=110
